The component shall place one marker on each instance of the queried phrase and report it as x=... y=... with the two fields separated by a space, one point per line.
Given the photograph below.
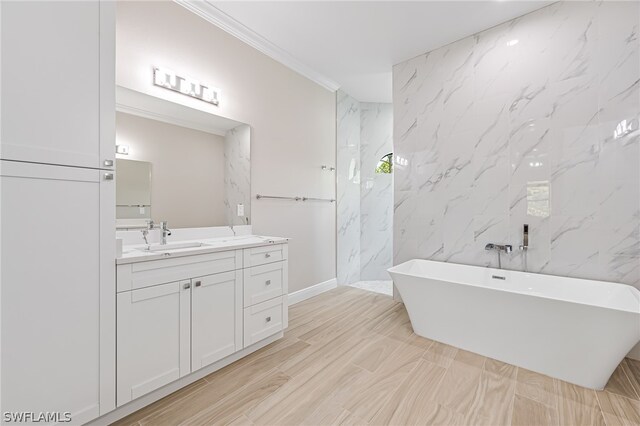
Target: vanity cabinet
x=178 y=315
x=58 y=82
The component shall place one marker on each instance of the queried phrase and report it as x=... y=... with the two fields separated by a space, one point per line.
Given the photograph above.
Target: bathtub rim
x=394 y=270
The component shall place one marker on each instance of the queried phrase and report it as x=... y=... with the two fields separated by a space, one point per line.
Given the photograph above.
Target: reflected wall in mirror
x=133 y=191
x=184 y=166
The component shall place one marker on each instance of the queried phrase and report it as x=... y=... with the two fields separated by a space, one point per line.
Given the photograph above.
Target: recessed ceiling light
x=513 y=42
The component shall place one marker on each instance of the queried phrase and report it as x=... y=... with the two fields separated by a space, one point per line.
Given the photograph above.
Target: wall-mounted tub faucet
x=499 y=248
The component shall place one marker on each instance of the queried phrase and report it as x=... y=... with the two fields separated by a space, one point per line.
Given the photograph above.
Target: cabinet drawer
x=263 y=255
x=263 y=320
x=262 y=283
x=145 y=274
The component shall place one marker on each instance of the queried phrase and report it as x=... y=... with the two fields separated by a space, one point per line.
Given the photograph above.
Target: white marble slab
x=237 y=174
x=137 y=253
x=348 y=188
x=534 y=121
x=382 y=287
x=376 y=192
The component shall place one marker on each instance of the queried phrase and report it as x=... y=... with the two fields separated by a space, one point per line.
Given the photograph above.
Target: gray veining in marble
x=348 y=188
x=533 y=121
x=376 y=192
x=237 y=174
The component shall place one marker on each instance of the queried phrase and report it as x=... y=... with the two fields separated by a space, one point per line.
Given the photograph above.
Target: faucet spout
x=507 y=248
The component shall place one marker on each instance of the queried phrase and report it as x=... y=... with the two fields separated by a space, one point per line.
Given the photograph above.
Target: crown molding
x=217 y=17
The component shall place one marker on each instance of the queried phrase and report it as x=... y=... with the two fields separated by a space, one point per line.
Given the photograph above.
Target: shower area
x=364 y=193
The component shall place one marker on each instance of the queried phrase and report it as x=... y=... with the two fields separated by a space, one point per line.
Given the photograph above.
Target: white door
x=58 y=69
x=153 y=338
x=216 y=317
x=50 y=226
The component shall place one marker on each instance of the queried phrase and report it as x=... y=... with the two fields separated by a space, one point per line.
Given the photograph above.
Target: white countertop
x=137 y=253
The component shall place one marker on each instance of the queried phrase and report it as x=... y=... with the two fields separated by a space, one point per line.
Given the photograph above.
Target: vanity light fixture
x=163 y=77
x=401 y=161
x=122 y=149
x=624 y=128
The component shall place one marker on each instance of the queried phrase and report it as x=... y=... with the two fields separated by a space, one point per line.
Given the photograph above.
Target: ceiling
x=354 y=44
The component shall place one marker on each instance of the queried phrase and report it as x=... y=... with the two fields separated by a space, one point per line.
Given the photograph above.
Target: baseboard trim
x=635 y=352
x=314 y=290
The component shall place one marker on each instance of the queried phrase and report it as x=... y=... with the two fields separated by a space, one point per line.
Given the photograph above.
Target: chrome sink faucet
x=499 y=248
x=145 y=232
x=165 y=232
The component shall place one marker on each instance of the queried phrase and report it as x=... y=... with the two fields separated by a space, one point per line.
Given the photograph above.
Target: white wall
x=187 y=170
x=292 y=121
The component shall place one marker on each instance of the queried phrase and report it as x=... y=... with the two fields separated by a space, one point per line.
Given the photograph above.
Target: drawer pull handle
x=268 y=319
x=187 y=286
x=268 y=282
x=267 y=255
x=198 y=283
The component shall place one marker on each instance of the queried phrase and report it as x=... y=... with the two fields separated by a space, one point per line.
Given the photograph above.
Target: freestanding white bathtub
x=571 y=329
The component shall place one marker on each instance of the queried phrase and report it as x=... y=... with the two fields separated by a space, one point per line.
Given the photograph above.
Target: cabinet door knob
x=268 y=319
x=186 y=286
x=267 y=255
x=108 y=176
x=198 y=283
x=108 y=163
x=268 y=282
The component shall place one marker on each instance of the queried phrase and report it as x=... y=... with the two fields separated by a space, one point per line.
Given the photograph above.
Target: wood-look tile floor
x=350 y=357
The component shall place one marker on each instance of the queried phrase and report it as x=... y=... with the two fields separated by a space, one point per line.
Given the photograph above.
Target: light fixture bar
x=163 y=77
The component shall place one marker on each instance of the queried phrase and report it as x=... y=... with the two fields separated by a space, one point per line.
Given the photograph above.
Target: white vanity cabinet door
x=51 y=281
x=58 y=82
x=153 y=338
x=216 y=317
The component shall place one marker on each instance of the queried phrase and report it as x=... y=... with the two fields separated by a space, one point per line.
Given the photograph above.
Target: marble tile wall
x=533 y=121
x=237 y=174
x=348 y=188
x=376 y=192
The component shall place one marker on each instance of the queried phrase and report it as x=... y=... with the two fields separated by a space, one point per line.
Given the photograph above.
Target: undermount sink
x=173 y=246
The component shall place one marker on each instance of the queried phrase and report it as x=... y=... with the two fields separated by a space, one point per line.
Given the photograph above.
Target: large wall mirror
x=179 y=164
